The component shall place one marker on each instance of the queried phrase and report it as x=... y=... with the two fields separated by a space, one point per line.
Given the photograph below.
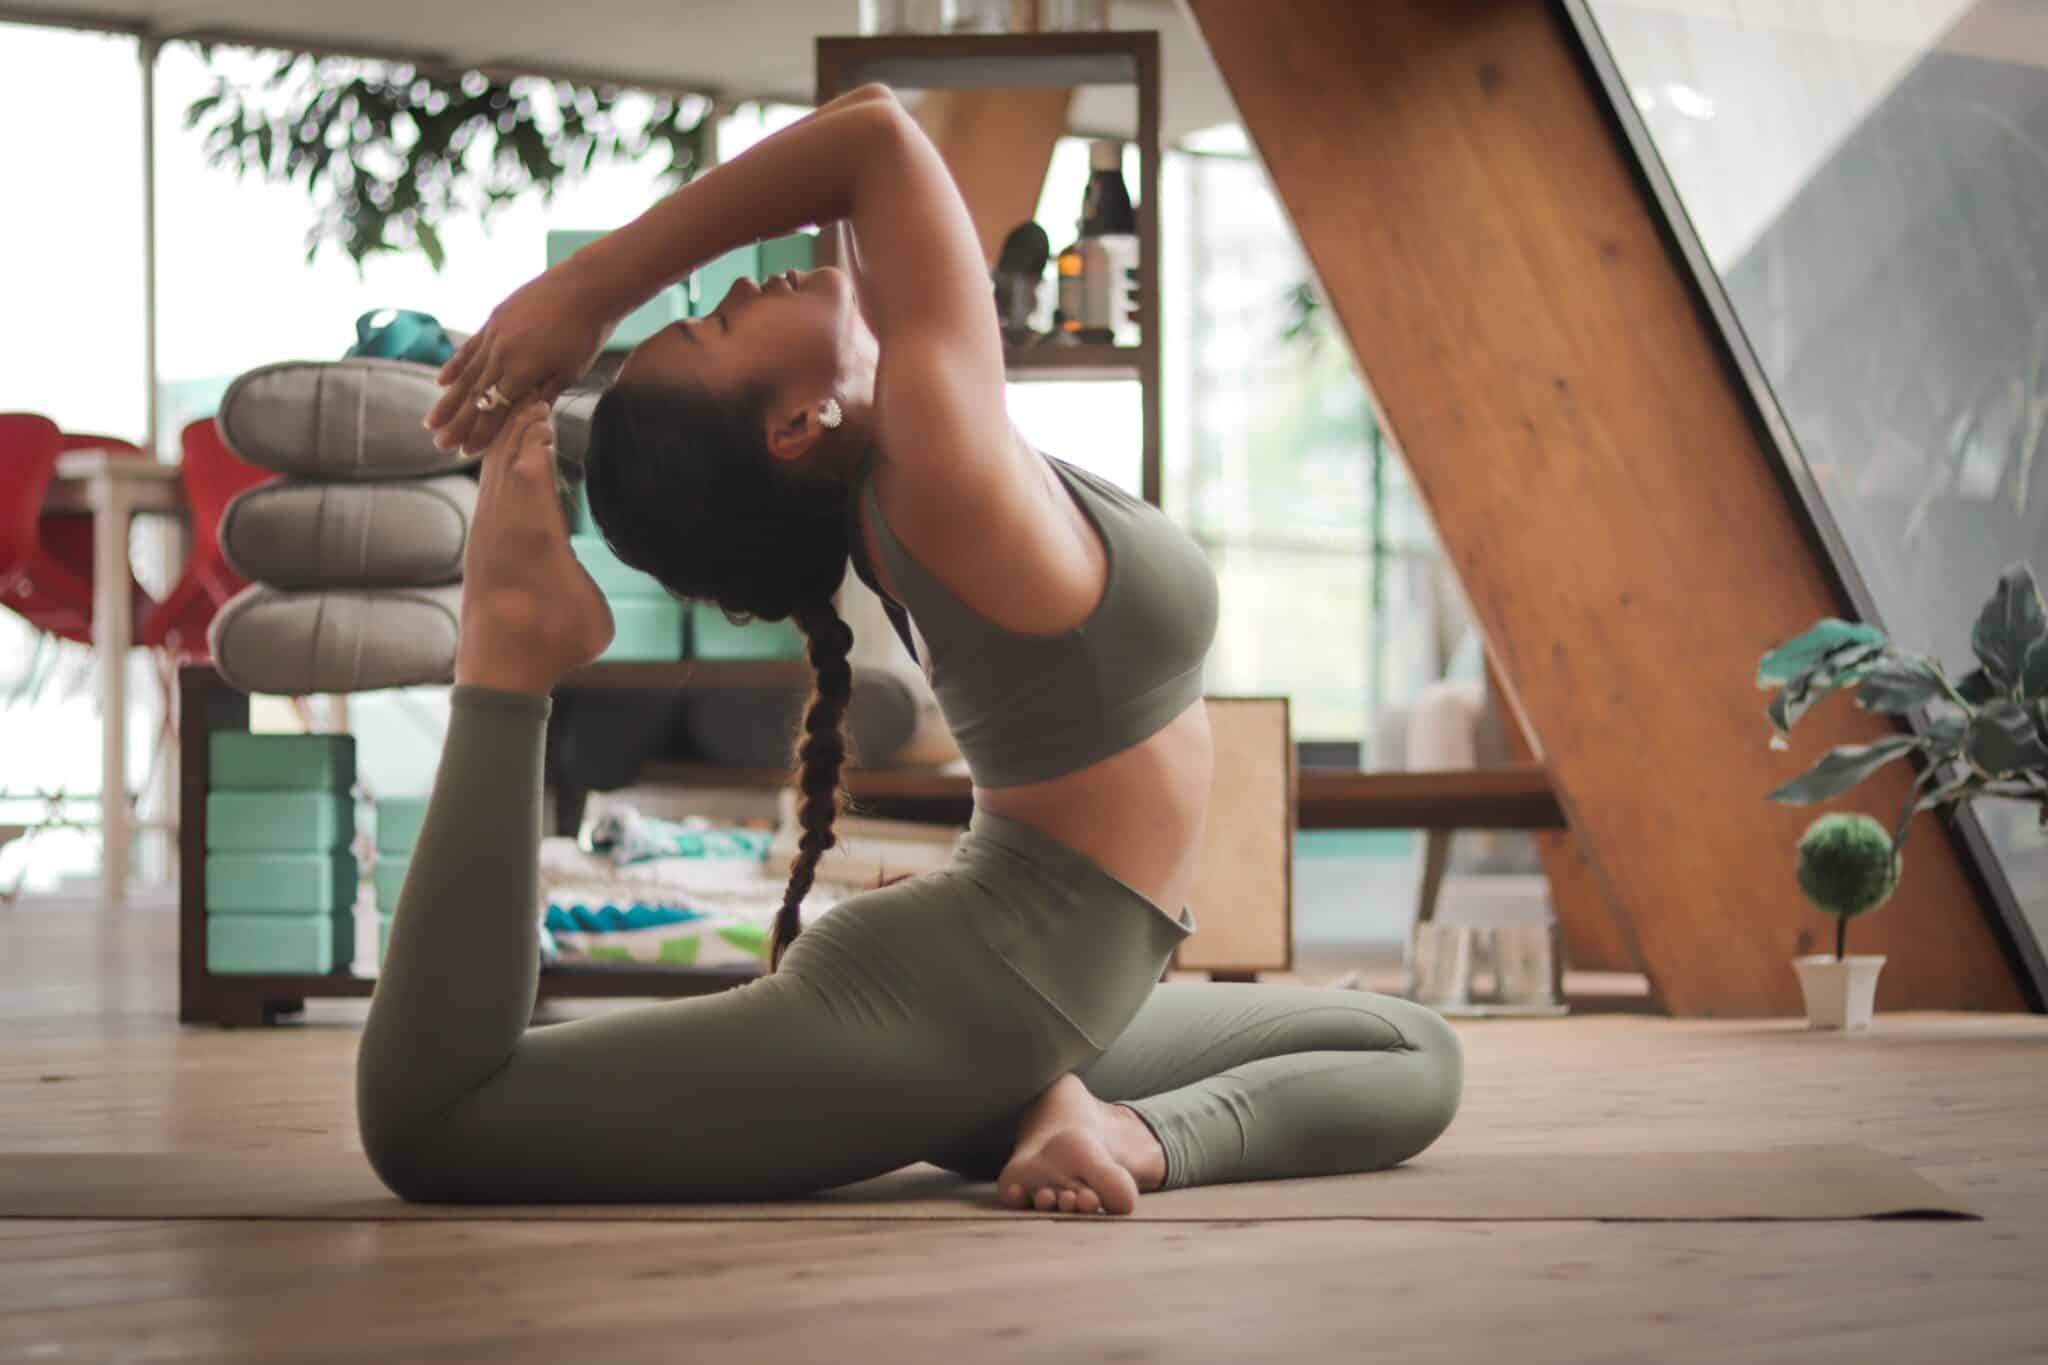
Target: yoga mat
x=1809 y=1182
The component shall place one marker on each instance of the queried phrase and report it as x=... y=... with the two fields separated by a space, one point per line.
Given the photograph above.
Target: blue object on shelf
x=401 y=334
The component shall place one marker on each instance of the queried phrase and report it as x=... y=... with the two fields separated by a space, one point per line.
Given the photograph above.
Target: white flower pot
x=1839 y=992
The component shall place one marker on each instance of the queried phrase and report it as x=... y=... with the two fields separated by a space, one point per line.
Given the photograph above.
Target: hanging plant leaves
x=1789 y=660
x=1842 y=768
x=2011 y=624
x=390 y=153
x=1956 y=788
x=2003 y=740
x=1901 y=683
x=1846 y=665
x=1976 y=687
x=2034 y=672
x=1945 y=735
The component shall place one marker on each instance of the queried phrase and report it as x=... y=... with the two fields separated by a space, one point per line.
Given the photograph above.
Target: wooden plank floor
x=90 y=1059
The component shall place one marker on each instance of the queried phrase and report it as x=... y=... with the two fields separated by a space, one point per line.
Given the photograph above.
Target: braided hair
x=682 y=487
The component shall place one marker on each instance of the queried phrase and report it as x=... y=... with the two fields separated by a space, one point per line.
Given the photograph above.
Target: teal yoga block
x=669 y=306
x=383 y=937
x=709 y=284
x=714 y=637
x=798 y=251
x=280 y=822
x=313 y=944
x=613 y=578
x=239 y=761
x=646 y=630
x=398 y=824
x=388 y=876
x=280 y=883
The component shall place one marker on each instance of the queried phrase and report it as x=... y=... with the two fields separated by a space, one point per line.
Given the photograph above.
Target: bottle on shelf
x=1098 y=273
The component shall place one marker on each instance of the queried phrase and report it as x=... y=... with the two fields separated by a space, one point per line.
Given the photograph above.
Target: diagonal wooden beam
x=1595 y=473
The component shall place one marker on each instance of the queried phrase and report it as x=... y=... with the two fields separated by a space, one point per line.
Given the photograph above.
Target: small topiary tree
x=1848 y=866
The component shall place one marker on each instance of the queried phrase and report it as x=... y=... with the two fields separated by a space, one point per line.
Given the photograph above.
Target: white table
x=114 y=488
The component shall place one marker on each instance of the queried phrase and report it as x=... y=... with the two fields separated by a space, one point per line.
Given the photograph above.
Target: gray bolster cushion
x=301 y=536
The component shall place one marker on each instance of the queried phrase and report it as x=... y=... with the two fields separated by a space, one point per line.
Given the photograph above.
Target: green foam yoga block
x=670 y=305
x=238 y=761
x=798 y=251
x=711 y=281
x=714 y=637
x=316 y=944
x=643 y=629
x=388 y=876
x=280 y=883
x=383 y=937
x=613 y=578
x=280 y=822
x=398 y=823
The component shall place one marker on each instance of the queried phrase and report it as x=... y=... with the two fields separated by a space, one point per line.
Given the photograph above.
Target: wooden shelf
x=686 y=675
x=1512 y=796
x=916 y=784
x=1049 y=360
x=944 y=61
x=967 y=61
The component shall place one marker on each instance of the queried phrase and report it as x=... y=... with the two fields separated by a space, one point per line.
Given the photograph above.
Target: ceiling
x=736 y=49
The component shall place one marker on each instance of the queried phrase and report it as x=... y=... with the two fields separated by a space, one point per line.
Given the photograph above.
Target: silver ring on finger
x=493 y=398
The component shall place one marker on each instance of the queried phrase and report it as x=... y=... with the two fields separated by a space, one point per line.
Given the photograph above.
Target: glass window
x=1871 y=184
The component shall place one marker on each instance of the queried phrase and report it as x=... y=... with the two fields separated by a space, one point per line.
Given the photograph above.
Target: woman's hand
x=536 y=343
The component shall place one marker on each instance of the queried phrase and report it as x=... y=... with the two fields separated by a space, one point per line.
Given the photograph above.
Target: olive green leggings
x=913 y=1022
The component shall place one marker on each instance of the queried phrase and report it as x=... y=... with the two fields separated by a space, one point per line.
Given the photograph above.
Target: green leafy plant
x=1848 y=866
x=389 y=152
x=1986 y=735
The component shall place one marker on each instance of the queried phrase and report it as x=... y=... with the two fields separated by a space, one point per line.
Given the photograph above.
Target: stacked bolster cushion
x=280 y=880
x=355 y=556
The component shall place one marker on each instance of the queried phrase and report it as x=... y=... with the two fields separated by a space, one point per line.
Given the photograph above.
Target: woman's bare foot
x=530 y=612
x=1076 y=1154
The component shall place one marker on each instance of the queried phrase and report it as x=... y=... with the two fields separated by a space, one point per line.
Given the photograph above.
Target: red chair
x=212 y=474
x=46 y=559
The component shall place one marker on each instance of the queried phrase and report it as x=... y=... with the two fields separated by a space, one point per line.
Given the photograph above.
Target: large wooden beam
x=1595 y=472
x=1596 y=933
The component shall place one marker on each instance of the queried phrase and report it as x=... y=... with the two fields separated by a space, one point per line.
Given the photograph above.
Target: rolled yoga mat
x=291 y=644
x=1805 y=1183
x=327 y=536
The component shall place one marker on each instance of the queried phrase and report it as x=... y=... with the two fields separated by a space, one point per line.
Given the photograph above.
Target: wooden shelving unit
x=1057 y=60
x=207 y=704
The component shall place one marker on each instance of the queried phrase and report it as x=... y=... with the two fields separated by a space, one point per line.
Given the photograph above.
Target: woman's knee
x=1433 y=1046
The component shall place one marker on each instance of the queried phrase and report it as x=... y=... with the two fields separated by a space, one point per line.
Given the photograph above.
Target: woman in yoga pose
x=1001 y=1017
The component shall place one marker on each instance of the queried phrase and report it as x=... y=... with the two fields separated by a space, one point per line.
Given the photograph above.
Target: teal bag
x=400 y=334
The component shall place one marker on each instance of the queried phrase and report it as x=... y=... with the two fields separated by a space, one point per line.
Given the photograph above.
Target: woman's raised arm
x=860 y=159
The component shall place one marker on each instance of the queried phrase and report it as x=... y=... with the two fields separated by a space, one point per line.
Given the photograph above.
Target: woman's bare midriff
x=1138 y=813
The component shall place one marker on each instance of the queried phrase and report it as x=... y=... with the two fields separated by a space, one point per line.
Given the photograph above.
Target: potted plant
x=1984 y=735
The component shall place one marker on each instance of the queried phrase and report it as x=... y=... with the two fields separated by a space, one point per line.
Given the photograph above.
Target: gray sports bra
x=1024 y=707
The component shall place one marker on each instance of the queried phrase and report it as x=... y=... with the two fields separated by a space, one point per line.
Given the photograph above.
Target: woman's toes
x=1013 y=1195
x=1068 y=1199
x=1087 y=1202
x=1045 y=1201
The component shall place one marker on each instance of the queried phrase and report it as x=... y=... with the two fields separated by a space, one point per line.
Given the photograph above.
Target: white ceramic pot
x=1839 y=992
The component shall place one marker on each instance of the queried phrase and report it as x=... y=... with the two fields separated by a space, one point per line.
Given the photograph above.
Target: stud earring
x=830 y=415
